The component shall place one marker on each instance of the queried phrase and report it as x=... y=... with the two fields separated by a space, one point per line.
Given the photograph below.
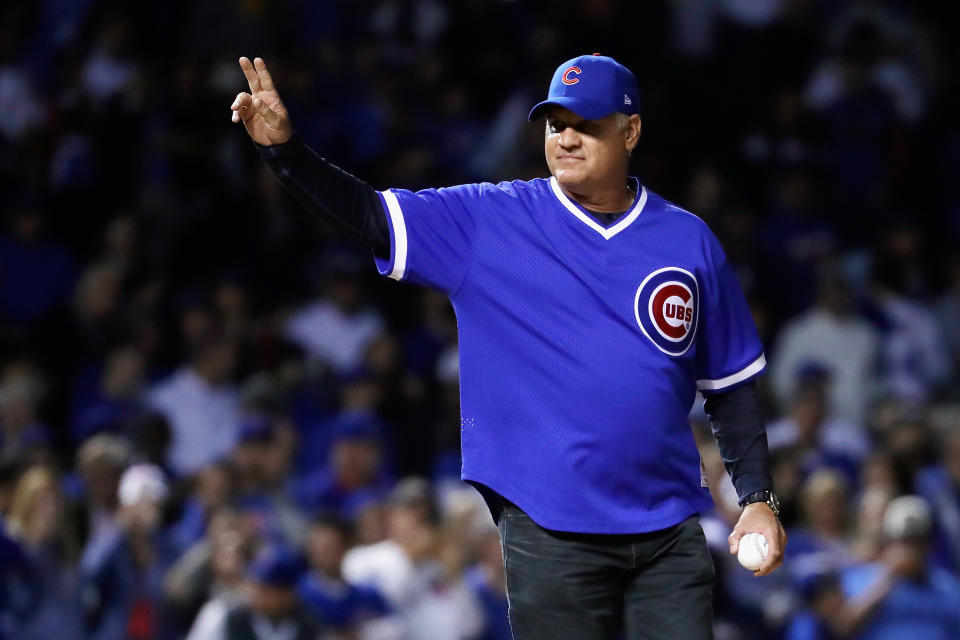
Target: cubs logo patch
x=566 y=77
x=667 y=308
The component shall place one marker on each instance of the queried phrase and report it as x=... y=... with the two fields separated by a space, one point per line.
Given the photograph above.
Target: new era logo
x=626 y=99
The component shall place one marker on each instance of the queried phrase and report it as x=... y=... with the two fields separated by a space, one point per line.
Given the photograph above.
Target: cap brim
x=584 y=108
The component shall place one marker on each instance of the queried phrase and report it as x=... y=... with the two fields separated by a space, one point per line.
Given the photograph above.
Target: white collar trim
x=606 y=232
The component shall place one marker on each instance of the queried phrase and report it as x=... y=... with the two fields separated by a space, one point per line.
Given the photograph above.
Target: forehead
x=556 y=112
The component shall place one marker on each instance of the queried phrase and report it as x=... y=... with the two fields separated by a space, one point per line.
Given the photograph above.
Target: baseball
x=753 y=550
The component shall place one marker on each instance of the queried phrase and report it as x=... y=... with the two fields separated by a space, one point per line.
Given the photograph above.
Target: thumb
x=734 y=540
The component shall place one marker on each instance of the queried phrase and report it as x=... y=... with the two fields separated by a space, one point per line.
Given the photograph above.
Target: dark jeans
x=573 y=586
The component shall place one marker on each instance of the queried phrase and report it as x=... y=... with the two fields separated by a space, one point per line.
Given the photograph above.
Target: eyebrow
x=559 y=118
x=568 y=123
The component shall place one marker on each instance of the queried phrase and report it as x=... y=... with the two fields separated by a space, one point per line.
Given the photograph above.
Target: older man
x=590 y=310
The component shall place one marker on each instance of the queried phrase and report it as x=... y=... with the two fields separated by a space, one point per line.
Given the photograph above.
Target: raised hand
x=261 y=111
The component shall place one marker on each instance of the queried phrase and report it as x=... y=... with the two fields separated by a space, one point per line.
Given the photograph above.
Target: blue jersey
x=581 y=346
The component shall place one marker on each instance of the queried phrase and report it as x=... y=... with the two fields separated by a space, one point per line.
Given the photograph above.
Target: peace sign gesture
x=261 y=111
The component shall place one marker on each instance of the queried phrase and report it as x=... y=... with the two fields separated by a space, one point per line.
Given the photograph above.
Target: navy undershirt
x=352 y=207
x=606 y=219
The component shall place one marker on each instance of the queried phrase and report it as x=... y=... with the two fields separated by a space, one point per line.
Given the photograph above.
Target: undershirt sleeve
x=737 y=422
x=347 y=203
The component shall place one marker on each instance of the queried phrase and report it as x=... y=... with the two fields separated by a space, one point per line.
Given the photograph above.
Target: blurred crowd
x=216 y=422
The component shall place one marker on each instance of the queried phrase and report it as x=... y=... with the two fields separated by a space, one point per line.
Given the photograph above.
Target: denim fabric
x=573 y=586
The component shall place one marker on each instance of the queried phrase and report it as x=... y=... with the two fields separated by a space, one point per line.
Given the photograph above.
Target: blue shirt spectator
x=20 y=586
x=38 y=274
x=494 y=604
x=940 y=485
x=926 y=608
x=339 y=604
x=122 y=571
x=919 y=602
x=327 y=596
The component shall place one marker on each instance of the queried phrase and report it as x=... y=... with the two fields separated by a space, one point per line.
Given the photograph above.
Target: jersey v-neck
x=605 y=219
x=606 y=224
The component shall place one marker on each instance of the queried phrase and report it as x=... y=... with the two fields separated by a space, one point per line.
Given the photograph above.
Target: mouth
x=569 y=158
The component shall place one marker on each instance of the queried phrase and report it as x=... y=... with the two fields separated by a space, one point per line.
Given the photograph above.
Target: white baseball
x=753 y=550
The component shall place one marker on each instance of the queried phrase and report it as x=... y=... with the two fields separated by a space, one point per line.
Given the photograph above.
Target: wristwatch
x=768 y=496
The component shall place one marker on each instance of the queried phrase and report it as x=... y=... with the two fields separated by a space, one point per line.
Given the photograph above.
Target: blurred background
x=213 y=413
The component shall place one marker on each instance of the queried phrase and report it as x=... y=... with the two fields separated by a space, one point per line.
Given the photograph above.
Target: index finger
x=265 y=80
x=252 y=78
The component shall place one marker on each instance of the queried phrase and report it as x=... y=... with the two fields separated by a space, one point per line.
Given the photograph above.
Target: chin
x=569 y=179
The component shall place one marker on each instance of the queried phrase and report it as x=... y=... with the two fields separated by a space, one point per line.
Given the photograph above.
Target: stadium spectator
x=920 y=601
x=354 y=468
x=115 y=398
x=38 y=519
x=101 y=461
x=939 y=484
x=867 y=541
x=488 y=581
x=20 y=589
x=211 y=490
x=264 y=492
x=914 y=357
x=39 y=272
x=824 y=529
x=832 y=336
x=347 y=609
x=828 y=614
x=21 y=431
x=416 y=569
x=271 y=609
x=122 y=573
x=96 y=304
x=201 y=405
x=337 y=328
x=820 y=440
x=208 y=576
x=948 y=313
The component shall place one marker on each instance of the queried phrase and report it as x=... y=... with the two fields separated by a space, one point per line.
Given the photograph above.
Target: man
x=354 y=467
x=272 y=608
x=19 y=576
x=346 y=608
x=820 y=438
x=414 y=572
x=121 y=571
x=201 y=404
x=907 y=597
x=939 y=484
x=589 y=312
x=833 y=337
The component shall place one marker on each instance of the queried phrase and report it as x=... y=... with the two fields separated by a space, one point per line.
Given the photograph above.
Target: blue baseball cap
x=356 y=425
x=276 y=566
x=254 y=428
x=592 y=87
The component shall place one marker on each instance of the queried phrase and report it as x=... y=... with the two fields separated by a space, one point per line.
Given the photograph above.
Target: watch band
x=767 y=496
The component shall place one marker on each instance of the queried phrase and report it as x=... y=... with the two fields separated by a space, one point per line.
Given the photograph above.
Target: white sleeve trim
x=751 y=369
x=399 y=235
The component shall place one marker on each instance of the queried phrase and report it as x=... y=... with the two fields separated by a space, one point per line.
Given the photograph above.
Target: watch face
x=774 y=502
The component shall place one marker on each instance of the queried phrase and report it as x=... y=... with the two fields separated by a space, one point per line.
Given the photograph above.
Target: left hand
x=261 y=111
x=758 y=518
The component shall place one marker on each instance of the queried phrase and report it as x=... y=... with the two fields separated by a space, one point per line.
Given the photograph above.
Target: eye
x=555 y=127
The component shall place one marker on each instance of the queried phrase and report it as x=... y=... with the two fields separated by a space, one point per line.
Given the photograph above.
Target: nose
x=569 y=138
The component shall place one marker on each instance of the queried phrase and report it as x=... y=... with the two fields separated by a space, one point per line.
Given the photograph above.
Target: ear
x=631 y=132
